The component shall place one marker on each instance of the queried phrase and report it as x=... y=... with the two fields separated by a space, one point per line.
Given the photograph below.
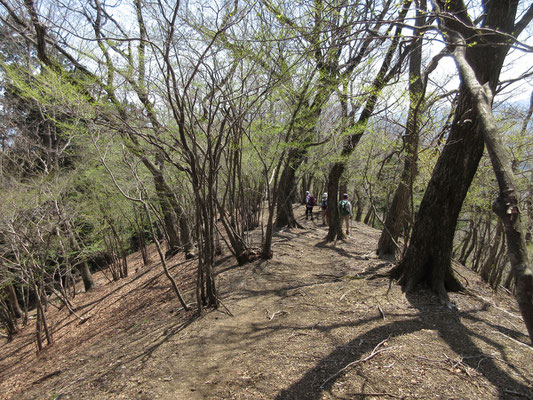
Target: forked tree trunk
x=428 y=258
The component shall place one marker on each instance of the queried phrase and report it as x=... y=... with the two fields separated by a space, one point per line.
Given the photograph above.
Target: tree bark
x=506 y=205
x=429 y=261
x=287 y=186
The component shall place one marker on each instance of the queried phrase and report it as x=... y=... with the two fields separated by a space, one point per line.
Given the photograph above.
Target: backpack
x=324 y=203
x=344 y=207
x=311 y=201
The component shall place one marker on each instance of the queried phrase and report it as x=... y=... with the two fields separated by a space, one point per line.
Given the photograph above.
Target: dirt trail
x=318 y=321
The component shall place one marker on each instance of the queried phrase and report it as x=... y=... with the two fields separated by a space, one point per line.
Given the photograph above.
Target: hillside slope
x=318 y=321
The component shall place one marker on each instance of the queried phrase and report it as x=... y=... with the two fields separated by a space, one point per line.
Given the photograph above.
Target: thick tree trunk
x=86 y=276
x=429 y=260
x=335 y=228
x=287 y=186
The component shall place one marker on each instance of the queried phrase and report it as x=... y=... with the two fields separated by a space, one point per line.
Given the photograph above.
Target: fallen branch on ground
x=516 y=341
x=381 y=311
x=374 y=353
x=376 y=394
x=271 y=317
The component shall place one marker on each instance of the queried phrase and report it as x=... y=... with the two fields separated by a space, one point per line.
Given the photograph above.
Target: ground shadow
x=324 y=374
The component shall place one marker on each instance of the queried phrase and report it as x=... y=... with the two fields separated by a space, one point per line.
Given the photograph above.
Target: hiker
x=345 y=211
x=324 y=207
x=309 y=204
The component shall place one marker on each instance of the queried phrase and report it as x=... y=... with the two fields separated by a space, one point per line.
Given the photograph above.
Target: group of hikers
x=345 y=209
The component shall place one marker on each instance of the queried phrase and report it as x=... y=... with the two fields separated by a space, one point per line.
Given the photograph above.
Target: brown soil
x=318 y=321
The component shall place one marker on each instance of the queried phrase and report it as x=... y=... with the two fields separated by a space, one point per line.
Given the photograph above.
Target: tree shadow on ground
x=109 y=374
x=331 y=246
x=322 y=377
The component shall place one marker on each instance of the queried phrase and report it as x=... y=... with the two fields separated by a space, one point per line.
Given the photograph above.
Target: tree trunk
x=358 y=126
x=13 y=301
x=429 y=261
x=287 y=186
x=335 y=228
x=506 y=205
x=359 y=206
x=86 y=276
x=170 y=220
x=469 y=242
x=486 y=270
x=163 y=260
x=499 y=266
x=399 y=211
x=41 y=322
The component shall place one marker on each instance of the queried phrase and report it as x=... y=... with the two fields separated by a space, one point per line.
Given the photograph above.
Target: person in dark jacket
x=309 y=204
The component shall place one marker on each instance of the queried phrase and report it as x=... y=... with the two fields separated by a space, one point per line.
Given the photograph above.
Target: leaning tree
x=488 y=41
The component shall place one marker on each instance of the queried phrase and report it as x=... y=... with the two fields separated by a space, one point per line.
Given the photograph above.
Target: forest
x=189 y=125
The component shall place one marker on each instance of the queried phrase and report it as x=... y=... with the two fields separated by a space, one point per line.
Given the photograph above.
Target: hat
x=325 y=195
x=307 y=192
x=345 y=195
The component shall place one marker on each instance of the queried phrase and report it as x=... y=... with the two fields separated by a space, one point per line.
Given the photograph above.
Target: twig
x=381 y=311
x=374 y=353
x=518 y=394
x=495 y=306
x=51 y=374
x=516 y=341
x=376 y=394
x=456 y=364
x=298 y=334
x=344 y=295
x=281 y=312
x=227 y=309
x=69 y=384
